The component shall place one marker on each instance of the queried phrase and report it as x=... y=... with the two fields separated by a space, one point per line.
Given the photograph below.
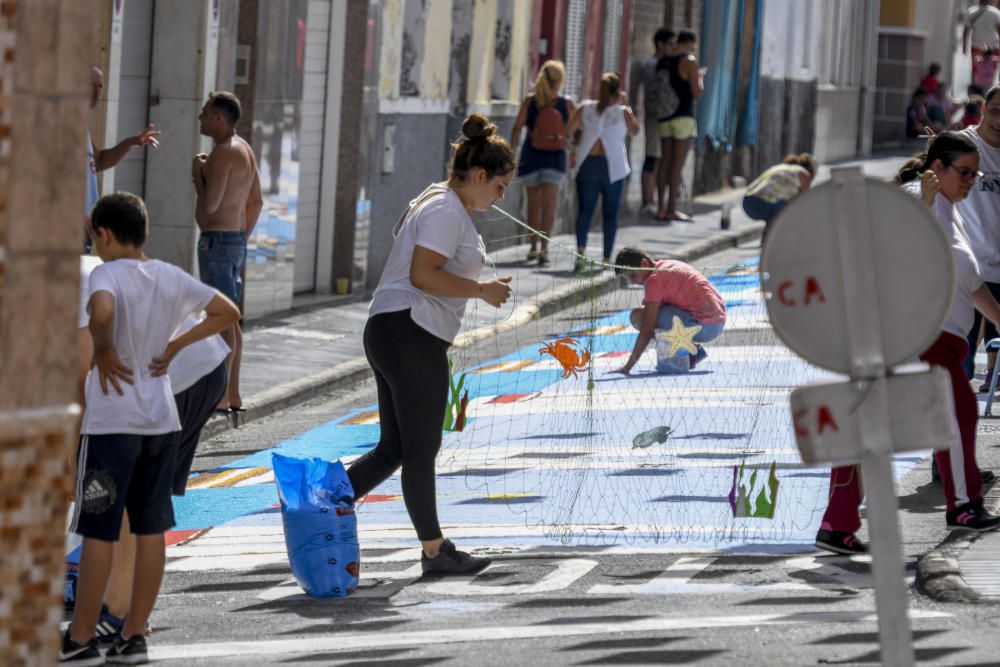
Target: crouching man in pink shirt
x=672 y=289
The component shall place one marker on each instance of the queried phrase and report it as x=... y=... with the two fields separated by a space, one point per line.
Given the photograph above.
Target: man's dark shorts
x=124 y=472
x=195 y=405
x=221 y=256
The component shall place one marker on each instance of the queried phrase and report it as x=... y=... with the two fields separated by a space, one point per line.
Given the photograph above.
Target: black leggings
x=411 y=373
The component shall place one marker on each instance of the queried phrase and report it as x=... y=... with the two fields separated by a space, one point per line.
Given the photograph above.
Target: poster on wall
x=213 y=28
x=116 y=21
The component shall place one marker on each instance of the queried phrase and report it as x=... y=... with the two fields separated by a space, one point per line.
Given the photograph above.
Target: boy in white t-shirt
x=198 y=377
x=130 y=426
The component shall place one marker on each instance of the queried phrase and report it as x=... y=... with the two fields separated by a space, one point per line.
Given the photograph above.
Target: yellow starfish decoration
x=680 y=337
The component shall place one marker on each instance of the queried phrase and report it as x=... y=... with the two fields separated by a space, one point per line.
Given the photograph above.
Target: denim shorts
x=665 y=321
x=221 y=256
x=543 y=175
x=758 y=209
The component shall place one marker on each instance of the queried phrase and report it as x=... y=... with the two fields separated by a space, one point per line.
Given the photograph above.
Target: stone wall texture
x=900 y=68
x=44 y=89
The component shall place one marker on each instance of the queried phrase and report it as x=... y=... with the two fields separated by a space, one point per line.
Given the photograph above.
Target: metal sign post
x=859 y=278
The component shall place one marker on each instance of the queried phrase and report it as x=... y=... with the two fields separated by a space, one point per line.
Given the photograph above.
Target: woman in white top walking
x=416 y=311
x=599 y=160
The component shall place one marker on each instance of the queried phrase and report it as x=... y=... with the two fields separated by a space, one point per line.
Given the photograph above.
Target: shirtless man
x=229 y=201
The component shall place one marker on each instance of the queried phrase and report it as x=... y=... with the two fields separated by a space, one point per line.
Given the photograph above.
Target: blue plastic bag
x=321 y=529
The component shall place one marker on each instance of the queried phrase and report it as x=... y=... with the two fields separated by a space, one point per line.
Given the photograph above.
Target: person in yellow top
x=777 y=186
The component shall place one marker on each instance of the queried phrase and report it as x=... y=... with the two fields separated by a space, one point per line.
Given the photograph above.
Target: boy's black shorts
x=119 y=472
x=195 y=405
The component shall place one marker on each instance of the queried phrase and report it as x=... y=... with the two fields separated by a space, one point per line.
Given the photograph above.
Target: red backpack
x=549 y=132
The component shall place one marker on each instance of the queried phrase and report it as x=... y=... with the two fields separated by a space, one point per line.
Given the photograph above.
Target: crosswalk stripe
x=344 y=641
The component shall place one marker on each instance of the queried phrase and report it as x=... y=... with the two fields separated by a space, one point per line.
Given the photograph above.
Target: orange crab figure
x=566 y=352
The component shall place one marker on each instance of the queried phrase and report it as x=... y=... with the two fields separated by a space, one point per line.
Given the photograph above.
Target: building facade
x=912 y=35
x=350 y=108
x=290 y=62
x=419 y=93
x=43 y=134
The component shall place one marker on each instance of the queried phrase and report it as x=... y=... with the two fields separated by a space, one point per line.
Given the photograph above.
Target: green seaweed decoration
x=454 y=414
x=740 y=494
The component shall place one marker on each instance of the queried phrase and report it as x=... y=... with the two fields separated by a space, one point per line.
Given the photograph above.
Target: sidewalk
x=293 y=356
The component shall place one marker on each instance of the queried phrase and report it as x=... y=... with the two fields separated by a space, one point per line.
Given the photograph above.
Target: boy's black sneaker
x=972 y=516
x=131 y=651
x=81 y=655
x=840 y=543
x=452 y=561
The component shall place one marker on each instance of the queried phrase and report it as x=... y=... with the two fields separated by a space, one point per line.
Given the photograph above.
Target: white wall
x=788 y=45
x=823 y=40
x=314 y=98
x=938 y=20
x=133 y=105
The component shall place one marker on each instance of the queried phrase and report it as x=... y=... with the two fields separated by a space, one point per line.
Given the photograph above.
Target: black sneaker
x=972 y=516
x=452 y=561
x=840 y=543
x=988 y=476
x=131 y=651
x=984 y=388
x=82 y=655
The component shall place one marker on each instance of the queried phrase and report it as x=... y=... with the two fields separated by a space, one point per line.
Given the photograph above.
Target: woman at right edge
x=940 y=178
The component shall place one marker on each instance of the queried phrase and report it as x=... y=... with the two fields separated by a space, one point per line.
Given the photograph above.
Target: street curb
x=357 y=370
x=939 y=576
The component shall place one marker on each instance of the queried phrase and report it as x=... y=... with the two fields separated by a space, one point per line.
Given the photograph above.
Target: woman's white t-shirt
x=439 y=222
x=608 y=126
x=962 y=313
x=981 y=209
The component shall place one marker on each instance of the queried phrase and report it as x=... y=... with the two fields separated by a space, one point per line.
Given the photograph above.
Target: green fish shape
x=647 y=438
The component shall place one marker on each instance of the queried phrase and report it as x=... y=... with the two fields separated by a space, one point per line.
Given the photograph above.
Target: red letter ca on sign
x=811 y=290
x=821 y=417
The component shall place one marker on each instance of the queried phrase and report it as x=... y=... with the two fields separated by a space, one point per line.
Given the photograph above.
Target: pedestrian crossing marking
x=345 y=641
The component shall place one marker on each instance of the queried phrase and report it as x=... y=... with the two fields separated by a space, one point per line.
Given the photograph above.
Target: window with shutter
x=612 y=35
x=576 y=19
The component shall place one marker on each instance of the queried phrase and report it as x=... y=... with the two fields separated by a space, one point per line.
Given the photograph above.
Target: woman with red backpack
x=542 y=165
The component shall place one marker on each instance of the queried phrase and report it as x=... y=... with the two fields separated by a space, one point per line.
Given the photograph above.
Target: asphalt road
x=555 y=605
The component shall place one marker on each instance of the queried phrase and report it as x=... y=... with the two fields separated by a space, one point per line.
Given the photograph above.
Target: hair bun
x=478 y=126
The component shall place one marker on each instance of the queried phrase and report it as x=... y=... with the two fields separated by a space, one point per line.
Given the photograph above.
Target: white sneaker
x=649 y=210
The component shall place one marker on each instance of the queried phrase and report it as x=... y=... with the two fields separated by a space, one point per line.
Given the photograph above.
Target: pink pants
x=959 y=472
